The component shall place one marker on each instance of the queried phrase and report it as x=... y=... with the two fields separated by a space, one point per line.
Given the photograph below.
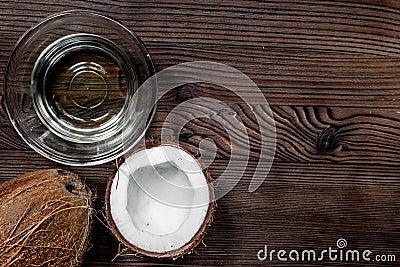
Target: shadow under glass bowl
x=71 y=88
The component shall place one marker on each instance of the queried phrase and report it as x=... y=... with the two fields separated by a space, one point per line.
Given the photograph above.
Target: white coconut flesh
x=159 y=199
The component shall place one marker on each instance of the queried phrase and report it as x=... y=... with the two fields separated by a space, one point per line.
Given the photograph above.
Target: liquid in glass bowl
x=72 y=88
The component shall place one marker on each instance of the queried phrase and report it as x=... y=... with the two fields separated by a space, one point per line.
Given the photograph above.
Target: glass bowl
x=71 y=88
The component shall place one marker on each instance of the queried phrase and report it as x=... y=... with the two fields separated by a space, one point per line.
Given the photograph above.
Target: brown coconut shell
x=197 y=238
x=45 y=219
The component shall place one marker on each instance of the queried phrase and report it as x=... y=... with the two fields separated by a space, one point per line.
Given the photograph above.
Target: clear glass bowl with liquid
x=73 y=88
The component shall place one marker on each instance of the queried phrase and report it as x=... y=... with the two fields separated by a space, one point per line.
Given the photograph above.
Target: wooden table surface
x=321 y=65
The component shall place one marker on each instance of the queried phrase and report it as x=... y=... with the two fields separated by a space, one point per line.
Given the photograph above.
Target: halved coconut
x=160 y=201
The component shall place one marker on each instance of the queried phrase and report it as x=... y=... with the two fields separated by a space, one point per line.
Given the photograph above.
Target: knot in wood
x=326 y=141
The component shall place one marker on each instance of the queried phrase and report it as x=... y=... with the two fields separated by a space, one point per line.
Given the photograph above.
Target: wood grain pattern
x=364 y=135
x=320 y=64
x=299 y=206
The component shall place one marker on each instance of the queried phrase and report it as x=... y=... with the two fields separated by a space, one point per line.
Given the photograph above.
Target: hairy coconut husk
x=45 y=219
x=181 y=251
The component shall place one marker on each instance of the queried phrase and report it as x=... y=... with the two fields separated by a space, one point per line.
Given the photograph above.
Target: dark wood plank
x=333 y=54
x=298 y=78
x=298 y=206
x=295 y=78
x=363 y=135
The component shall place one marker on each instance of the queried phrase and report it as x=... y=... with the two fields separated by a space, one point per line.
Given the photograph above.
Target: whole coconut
x=45 y=219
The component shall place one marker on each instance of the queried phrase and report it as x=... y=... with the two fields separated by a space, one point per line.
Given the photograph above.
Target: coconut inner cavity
x=153 y=216
x=159 y=199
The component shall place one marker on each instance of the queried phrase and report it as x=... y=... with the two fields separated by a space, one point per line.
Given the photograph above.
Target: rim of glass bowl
x=96 y=159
